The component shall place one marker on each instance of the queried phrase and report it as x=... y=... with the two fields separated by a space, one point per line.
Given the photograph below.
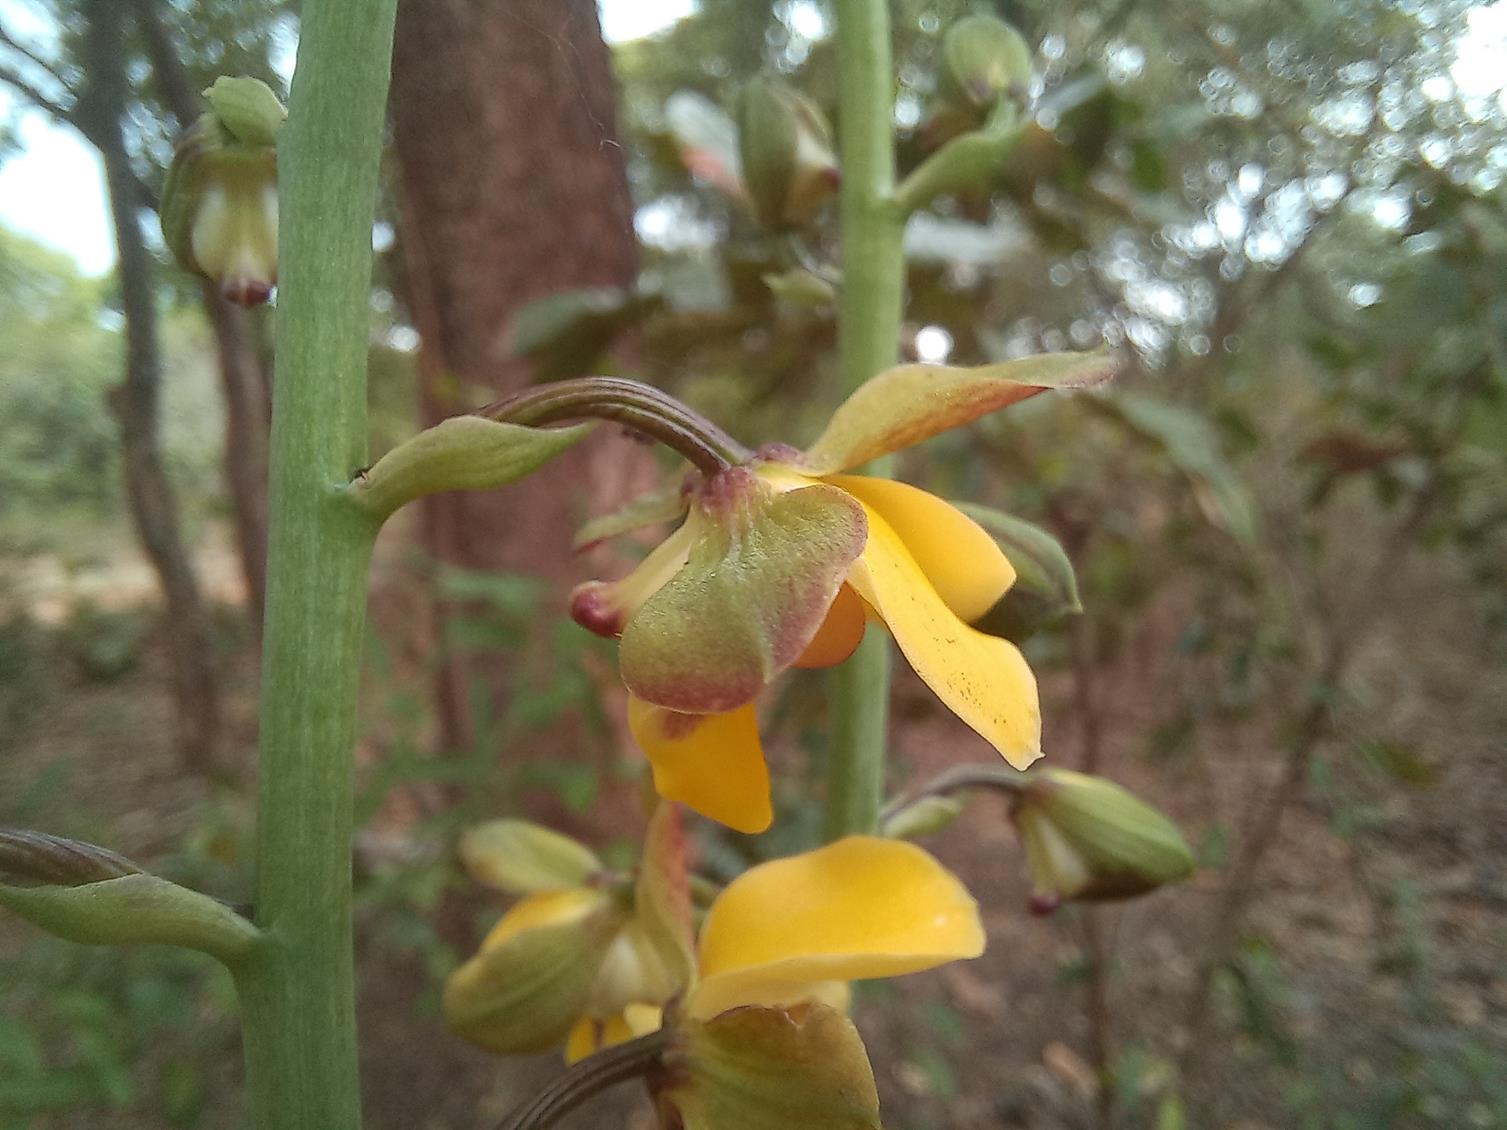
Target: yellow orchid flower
x=581 y=960
x=783 y=561
x=762 y=1038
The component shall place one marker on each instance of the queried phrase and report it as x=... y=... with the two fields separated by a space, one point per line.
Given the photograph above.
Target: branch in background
x=40 y=101
x=8 y=40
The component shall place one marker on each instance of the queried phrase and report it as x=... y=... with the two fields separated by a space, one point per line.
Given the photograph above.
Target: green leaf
x=1045 y=589
x=910 y=403
x=525 y=995
x=1190 y=443
x=461 y=453
x=772 y=1069
x=518 y=857
x=133 y=909
x=762 y=573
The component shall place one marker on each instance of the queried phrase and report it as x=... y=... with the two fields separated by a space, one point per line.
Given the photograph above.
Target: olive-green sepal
x=759 y=581
x=803 y=1068
x=461 y=453
x=133 y=909
x=662 y=900
x=1045 y=589
x=525 y=995
x=911 y=403
x=523 y=858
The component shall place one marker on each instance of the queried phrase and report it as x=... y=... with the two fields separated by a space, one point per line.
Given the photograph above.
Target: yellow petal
x=548 y=908
x=861 y=907
x=591 y=1035
x=712 y=763
x=963 y=563
x=982 y=679
x=840 y=633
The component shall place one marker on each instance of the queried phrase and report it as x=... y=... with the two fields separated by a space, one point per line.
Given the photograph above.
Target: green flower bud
x=521 y=858
x=786 y=149
x=922 y=818
x=219 y=205
x=1088 y=839
x=983 y=58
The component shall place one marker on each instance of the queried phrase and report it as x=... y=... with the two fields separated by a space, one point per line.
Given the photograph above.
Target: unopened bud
x=1088 y=839
x=219 y=205
x=786 y=148
x=983 y=59
x=922 y=817
x=521 y=858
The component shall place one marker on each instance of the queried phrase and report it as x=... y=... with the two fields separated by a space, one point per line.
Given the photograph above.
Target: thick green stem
x=868 y=336
x=297 y=992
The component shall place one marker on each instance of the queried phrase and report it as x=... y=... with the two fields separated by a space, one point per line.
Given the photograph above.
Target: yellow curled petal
x=963 y=563
x=548 y=908
x=861 y=907
x=591 y=1035
x=982 y=679
x=711 y=763
x=840 y=634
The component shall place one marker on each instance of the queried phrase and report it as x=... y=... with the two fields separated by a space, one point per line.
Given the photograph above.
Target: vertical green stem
x=297 y=993
x=868 y=336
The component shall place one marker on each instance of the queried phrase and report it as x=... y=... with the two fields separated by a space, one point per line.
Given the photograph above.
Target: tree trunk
x=152 y=502
x=243 y=381
x=513 y=187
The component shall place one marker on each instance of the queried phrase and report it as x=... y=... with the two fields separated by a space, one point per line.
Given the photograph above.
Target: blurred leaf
x=1402 y=763
x=1190 y=443
x=567 y=332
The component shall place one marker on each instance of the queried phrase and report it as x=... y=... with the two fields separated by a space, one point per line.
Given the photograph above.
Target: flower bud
x=1088 y=839
x=922 y=817
x=786 y=150
x=219 y=205
x=983 y=58
x=522 y=858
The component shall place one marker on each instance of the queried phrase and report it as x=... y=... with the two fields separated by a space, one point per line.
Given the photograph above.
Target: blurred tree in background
x=1289 y=519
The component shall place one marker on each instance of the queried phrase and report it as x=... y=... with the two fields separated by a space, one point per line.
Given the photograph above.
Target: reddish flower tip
x=592 y=607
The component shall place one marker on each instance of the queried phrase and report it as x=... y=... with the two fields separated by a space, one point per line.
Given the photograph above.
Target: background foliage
x=1288 y=522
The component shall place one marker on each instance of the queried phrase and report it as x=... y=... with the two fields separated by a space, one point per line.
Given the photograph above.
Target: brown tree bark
x=513 y=187
x=135 y=402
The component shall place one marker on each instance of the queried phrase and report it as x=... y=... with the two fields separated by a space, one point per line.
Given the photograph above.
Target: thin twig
x=588 y=1078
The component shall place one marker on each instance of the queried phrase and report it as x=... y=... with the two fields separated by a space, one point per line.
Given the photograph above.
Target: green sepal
x=133 y=909
x=524 y=996
x=461 y=453
x=520 y=858
x=1046 y=587
x=1096 y=840
x=247 y=108
x=910 y=403
x=800 y=287
x=666 y=504
x=803 y=1068
x=662 y=900
x=761 y=576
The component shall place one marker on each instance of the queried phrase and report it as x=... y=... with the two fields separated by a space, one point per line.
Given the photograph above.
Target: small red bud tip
x=593 y=610
x=833 y=176
x=246 y=292
x=1043 y=905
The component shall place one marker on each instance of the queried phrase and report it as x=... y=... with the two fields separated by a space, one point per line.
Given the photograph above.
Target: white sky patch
x=633 y=19
x=1480 y=66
